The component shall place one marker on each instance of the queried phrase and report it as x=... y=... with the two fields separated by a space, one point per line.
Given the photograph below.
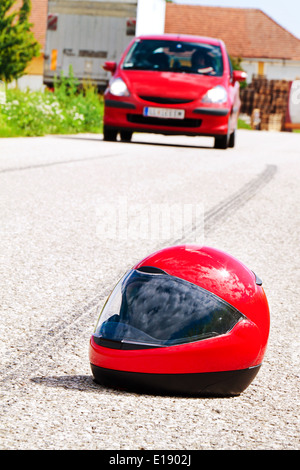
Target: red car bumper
x=128 y=115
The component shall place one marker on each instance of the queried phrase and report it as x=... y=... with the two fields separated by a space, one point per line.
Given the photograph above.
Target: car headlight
x=217 y=94
x=118 y=87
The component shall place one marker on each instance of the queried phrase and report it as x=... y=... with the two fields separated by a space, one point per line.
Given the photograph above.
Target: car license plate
x=164 y=113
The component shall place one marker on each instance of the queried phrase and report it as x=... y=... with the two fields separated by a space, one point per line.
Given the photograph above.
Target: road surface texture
x=65 y=241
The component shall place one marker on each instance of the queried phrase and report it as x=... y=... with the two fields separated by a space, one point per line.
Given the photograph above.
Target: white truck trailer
x=85 y=34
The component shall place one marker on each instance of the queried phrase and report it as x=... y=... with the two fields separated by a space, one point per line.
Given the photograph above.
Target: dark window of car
x=174 y=56
x=162 y=310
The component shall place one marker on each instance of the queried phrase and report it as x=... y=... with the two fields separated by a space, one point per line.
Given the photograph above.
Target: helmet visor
x=156 y=310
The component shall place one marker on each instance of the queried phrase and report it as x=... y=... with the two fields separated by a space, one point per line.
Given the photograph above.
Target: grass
x=63 y=111
x=67 y=109
x=243 y=125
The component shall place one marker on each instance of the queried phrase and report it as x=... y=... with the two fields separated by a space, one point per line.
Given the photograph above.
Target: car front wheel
x=109 y=134
x=221 y=142
x=126 y=136
x=231 y=142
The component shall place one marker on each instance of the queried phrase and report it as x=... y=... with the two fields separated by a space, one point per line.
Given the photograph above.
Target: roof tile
x=247 y=32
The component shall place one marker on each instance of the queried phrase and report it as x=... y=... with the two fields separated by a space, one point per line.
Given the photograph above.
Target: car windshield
x=163 y=310
x=174 y=56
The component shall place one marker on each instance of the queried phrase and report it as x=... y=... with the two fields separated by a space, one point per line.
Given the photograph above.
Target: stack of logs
x=266 y=101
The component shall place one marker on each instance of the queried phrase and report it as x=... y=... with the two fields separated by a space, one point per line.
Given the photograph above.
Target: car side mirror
x=239 y=76
x=110 y=66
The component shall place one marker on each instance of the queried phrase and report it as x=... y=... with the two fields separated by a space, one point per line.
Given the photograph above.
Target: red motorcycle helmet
x=186 y=320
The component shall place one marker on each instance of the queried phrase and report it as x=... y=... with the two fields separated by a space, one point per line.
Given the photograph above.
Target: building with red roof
x=265 y=47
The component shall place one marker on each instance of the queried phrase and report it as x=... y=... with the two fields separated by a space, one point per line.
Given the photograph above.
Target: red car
x=173 y=84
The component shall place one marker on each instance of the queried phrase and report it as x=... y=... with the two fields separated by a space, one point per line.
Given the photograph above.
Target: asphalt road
x=76 y=213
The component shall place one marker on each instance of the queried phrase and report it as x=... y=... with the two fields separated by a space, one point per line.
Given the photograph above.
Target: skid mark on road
x=232 y=203
x=61 y=162
x=238 y=199
x=42 y=343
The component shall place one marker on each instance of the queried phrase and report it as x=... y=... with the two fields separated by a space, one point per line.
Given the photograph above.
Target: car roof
x=183 y=37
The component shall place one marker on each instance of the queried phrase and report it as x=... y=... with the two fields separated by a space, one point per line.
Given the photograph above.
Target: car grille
x=139 y=119
x=161 y=100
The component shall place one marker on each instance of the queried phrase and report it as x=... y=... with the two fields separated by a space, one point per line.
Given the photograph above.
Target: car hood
x=169 y=84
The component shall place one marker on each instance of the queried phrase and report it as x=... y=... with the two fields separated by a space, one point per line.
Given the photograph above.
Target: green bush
x=67 y=109
x=243 y=125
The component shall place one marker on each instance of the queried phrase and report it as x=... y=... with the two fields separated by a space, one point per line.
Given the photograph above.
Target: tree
x=17 y=43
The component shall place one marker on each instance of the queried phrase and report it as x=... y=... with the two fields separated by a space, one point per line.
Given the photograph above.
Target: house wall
x=272 y=69
x=33 y=77
x=251 y=68
x=31 y=82
x=288 y=71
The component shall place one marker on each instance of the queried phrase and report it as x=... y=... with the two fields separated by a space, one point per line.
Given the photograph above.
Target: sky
x=284 y=12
